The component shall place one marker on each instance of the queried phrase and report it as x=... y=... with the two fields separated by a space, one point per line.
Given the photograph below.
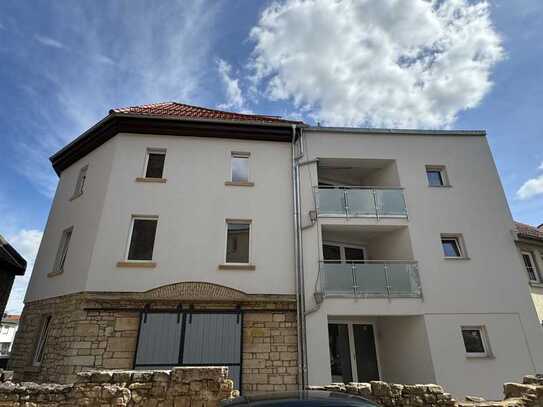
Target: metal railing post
x=387 y=283
x=346 y=203
x=375 y=203
x=353 y=276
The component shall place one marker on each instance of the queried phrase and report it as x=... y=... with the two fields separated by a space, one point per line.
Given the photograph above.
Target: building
x=8 y=328
x=411 y=271
x=295 y=255
x=11 y=264
x=530 y=244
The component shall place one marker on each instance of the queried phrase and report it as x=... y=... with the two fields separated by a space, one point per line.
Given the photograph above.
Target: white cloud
x=540 y=166
x=26 y=242
x=392 y=63
x=234 y=96
x=48 y=41
x=531 y=188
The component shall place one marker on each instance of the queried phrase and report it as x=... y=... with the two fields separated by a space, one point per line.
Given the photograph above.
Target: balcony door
x=353 y=353
x=342 y=253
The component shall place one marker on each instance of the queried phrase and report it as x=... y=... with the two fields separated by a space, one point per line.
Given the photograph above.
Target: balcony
x=360 y=202
x=370 y=278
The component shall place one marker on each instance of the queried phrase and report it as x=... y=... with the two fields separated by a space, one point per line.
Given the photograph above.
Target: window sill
x=75 y=197
x=54 y=273
x=238 y=266
x=155 y=180
x=479 y=356
x=239 y=183
x=456 y=258
x=440 y=186
x=137 y=264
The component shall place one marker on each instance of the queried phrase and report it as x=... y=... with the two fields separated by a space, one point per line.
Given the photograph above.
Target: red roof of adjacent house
x=182 y=111
x=530 y=232
x=11 y=318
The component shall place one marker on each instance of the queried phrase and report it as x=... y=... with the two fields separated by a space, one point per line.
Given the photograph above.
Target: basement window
x=40 y=345
x=142 y=238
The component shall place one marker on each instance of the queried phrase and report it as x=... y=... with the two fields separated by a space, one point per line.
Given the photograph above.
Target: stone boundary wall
x=527 y=394
x=180 y=387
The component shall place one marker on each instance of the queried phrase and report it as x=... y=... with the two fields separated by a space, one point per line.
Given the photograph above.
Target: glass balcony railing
x=361 y=202
x=370 y=279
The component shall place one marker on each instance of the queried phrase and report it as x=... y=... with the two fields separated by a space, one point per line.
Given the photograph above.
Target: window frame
x=80 y=183
x=148 y=152
x=62 y=251
x=458 y=238
x=533 y=266
x=442 y=170
x=249 y=242
x=342 y=247
x=131 y=230
x=484 y=341
x=240 y=154
x=39 y=349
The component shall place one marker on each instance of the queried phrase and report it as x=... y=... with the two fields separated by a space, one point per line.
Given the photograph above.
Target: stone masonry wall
x=269 y=352
x=180 y=387
x=84 y=334
x=528 y=394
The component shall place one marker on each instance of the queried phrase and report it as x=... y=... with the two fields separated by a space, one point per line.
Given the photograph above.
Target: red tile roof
x=11 y=318
x=183 y=111
x=530 y=232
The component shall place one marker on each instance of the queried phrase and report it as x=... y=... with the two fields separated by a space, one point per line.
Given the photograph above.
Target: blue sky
x=367 y=63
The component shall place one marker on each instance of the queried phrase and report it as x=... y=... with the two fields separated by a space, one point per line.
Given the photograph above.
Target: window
x=62 y=251
x=40 y=346
x=4 y=348
x=142 y=238
x=154 y=166
x=341 y=253
x=452 y=246
x=529 y=263
x=437 y=177
x=237 y=241
x=240 y=167
x=475 y=341
x=80 y=184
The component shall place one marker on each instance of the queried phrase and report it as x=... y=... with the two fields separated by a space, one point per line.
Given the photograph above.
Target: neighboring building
x=181 y=235
x=530 y=244
x=8 y=328
x=11 y=264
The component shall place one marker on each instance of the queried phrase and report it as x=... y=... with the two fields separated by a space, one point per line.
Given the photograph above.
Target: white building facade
x=188 y=236
x=411 y=271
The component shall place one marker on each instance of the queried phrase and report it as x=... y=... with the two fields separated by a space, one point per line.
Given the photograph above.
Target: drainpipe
x=298 y=262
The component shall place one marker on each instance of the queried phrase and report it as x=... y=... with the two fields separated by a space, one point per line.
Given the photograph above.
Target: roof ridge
x=226 y=111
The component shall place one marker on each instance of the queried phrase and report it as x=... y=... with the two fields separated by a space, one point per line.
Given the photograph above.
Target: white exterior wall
x=192 y=207
x=7 y=333
x=485 y=285
x=83 y=213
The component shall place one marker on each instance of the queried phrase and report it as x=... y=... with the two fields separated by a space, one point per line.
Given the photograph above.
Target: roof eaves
x=479 y=133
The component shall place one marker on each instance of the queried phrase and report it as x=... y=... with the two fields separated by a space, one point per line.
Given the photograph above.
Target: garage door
x=167 y=340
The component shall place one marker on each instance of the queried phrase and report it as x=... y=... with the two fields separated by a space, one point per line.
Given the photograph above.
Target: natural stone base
x=100 y=330
x=186 y=386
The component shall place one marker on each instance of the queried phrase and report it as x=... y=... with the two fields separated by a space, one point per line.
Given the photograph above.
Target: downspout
x=298 y=262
